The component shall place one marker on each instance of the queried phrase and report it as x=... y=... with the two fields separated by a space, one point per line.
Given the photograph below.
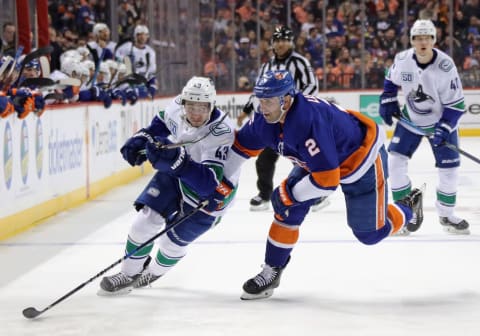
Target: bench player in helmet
x=331 y=147
x=434 y=103
x=185 y=176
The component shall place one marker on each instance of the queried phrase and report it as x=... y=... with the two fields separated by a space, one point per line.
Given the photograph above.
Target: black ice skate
x=258 y=203
x=145 y=279
x=121 y=283
x=414 y=200
x=263 y=284
x=117 y=284
x=455 y=225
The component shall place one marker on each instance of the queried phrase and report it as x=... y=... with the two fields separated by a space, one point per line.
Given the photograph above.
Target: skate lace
x=266 y=276
x=145 y=279
x=119 y=279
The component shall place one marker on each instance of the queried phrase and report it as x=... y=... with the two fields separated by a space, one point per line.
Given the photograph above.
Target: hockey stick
x=446 y=144
x=185 y=143
x=44 y=66
x=41 y=82
x=128 y=64
x=5 y=64
x=6 y=83
x=97 y=68
x=127 y=80
x=54 y=95
x=32 y=312
x=33 y=55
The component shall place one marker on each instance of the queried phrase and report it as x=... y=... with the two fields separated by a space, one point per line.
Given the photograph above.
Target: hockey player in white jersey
x=434 y=103
x=142 y=57
x=185 y=176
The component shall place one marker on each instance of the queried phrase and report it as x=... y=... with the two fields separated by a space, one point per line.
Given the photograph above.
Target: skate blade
x=121 y=292
x=403 y=232
x=262 y=208
x=453 y=231
x=262 y=295
x=320 y=206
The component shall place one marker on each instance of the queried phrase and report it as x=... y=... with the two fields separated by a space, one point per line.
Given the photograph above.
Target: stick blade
x=31 y=312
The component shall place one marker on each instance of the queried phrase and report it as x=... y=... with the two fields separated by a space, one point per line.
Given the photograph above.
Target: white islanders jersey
x=427 y=91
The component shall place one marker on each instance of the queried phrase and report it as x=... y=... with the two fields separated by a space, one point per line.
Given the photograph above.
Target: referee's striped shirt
x=300 y=69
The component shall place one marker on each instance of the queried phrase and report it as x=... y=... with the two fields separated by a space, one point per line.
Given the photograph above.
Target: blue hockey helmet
x=278 y=83
x=34 y=63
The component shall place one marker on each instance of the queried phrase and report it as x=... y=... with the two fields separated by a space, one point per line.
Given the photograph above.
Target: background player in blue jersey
x=330 y=147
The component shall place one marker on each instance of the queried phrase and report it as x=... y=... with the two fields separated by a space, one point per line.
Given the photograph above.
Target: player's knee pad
x=448 y=179
x=373 y=237
x=146 y=224
x=169 y=248
x=398 y=170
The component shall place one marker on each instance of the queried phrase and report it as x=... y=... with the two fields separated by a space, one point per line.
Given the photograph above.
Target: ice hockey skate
x=320 y=204
x=414 y=200
x=117 y=284
x=455 y=225
x=257 y=203
x=263 y=284
x=145 y=279
x=120 y=283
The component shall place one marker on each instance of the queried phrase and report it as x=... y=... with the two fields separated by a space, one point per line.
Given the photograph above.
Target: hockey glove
x=282 y=199
x=152 y=87
x=168 y=160
x=132 y=150
x=152 y=90
x=119 y=94
x=6 y=106
x=248 y=108
x=39 y=105
x=389 y=107
x=221 y=196
x=132 y=96
x=441 y=133
x=23 y=102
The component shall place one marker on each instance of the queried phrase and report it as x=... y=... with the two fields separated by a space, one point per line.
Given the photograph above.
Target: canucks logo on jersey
x=419 y=101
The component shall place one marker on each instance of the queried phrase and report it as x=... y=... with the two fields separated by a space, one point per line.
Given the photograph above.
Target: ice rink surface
x=424 y=284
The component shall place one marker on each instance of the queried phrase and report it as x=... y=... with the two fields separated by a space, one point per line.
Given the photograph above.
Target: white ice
x=425 y=284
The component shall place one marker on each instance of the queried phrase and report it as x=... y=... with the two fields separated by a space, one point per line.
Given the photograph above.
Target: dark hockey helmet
x=277 y=83
x=282 y=33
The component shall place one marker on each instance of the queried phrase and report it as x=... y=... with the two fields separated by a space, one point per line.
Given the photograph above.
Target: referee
x=284 y=58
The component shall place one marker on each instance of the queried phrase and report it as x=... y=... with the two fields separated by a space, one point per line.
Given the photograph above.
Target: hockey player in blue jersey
x=330 y=147
x=185 y=176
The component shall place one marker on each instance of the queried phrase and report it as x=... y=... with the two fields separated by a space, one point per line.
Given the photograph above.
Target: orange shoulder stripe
x=352 y=163
x=249 y=152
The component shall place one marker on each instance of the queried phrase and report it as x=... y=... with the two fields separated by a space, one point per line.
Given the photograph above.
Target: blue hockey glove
x=441 y=133
x=221 y=196
x=152 y=90
x=282 y=199
x=106 y=98
x=132 y=96
x=119 y=94
x=389 y=107
x=39 y=105
x=166 y=160
x=131 y=150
